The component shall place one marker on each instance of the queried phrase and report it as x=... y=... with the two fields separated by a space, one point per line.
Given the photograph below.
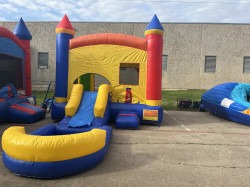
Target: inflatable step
x=25 y=113
x=127 y=120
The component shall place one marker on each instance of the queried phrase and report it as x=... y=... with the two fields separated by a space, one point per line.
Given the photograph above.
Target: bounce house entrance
x=91 y=81
x=99 y=80
x=11 y=71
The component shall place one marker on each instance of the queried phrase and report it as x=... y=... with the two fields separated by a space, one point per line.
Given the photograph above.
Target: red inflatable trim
x=23 y=109
x=8 y=34
x=109 y=38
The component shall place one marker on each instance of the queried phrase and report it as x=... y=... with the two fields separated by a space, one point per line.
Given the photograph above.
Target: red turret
x=22 y=32
x=65 y=26
x=154 y=39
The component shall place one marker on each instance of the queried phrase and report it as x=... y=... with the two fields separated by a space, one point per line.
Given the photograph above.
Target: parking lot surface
x=188 y=149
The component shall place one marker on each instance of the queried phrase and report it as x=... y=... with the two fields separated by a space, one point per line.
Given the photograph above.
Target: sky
x=184 y=11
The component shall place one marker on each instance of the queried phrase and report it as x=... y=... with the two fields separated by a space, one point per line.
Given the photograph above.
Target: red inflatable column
x=22 y=32
x=28 y=90
x=154 y=37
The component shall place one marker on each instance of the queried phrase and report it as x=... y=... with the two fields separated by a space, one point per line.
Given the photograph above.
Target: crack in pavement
x=202 y=165
x=176 y=143
x=194 y=165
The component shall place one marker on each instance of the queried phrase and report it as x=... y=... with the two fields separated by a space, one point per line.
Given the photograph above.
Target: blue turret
x=64 y=32
x=155 y=24
x=21 y=31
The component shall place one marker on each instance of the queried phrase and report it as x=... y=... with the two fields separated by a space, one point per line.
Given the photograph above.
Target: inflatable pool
x=47 y=154
x=229 y=101
x=78 y=143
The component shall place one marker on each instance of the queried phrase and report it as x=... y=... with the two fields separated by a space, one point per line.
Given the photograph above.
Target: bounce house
x=228 y=100
x=108 y=55
x=81 y=138
x=15 y=77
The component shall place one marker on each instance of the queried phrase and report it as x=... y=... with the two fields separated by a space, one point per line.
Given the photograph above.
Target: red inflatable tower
x=154 y=36
x=22 y=32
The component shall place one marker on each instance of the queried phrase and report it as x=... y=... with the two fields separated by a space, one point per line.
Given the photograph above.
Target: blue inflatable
x=53 y=155
x=229 y=101
x=60 y=150
x=18 y=108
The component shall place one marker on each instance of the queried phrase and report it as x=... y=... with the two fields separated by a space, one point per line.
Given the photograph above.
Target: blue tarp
x=85 y=112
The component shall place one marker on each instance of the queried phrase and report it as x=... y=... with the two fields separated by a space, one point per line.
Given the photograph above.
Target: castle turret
x=154 y=36
x=64 y=32
x=22 y=32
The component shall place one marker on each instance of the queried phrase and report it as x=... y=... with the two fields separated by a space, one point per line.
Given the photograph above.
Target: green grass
x=40 y=96
x=169 y=97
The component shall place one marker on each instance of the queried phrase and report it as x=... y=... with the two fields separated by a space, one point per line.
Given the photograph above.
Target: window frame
x=244 y=61
x=165 y=64
x=206 y=70
x=40 y=64
x=125 y=67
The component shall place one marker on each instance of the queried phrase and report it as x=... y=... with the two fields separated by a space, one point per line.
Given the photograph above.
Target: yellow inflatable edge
x=247 y=111
x=19 y=145
x=101 y=100
x=74 y=100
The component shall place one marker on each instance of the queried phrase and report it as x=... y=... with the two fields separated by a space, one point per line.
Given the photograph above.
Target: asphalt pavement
x=188 y=149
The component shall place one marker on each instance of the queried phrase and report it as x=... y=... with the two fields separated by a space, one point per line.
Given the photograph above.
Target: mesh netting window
x=129 y=74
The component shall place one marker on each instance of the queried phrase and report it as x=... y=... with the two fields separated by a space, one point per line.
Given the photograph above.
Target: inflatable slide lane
x=85 y=110
x=230 y=101
x=77 y=144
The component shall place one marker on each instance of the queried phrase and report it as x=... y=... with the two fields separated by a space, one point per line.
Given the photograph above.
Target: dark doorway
x=11 y=71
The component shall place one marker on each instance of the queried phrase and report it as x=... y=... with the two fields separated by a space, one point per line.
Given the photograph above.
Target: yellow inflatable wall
x=105 y=60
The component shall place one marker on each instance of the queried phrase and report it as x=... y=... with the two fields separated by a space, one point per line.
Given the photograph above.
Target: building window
x=129 y=74
x=246 y=65
x=164 y=63
x=210 y=64
x=43 y=60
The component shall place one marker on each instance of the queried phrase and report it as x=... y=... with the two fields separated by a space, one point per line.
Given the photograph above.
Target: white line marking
x=182 y=125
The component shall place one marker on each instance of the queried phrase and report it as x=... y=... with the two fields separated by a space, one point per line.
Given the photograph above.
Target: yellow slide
x=76 y=96
x=74 y=100
x=101 y=100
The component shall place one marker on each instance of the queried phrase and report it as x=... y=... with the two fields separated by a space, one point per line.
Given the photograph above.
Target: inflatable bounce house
x=81 y=138
x=228 y=100
x=108 y=54
x=15 y=77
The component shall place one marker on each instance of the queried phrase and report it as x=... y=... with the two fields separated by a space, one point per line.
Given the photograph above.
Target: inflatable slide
x=93 y=110
x=77 y=143
x=230 y=101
